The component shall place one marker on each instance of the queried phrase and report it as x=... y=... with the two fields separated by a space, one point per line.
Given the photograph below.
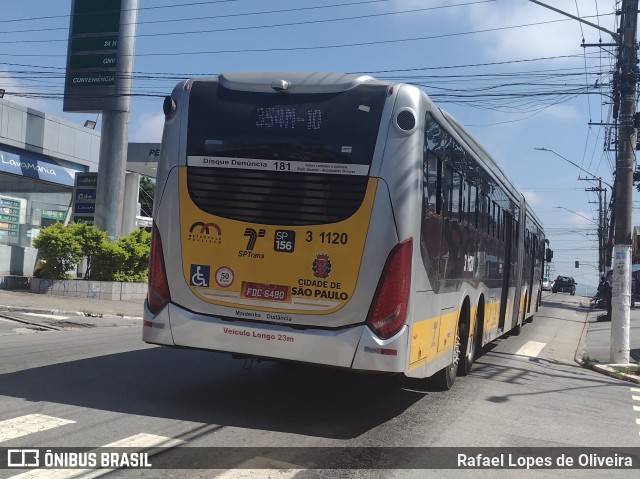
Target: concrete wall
x=17 y=260
x=111 y=290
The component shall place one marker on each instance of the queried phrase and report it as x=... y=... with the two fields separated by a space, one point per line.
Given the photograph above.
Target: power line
x=299 y=48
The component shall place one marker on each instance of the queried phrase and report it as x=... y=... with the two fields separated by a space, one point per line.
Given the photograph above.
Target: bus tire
x=530 y=318
x=443 y=380
x=517 y=330
x=518 y=327
x=539 y=301
x=468 y=343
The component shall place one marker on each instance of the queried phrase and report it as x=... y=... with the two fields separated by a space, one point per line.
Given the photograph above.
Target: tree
x=91 y=239
x=60 y=249
x=63 y=247
x=137 y=246
x=125 y=260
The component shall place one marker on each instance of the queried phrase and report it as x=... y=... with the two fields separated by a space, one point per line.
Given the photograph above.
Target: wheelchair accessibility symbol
x=199 y=275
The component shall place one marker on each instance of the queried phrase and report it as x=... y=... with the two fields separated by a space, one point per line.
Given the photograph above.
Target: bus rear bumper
x=351 y=347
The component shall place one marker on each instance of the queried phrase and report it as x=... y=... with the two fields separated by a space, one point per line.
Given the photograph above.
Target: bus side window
x=447 y=191
x=465 y=201
x=435 y=143
x=483 y=213
x=471 y=204
x=488 y=215
x=494 y=219
x=456 y=196
x=439 y=194
x=431 y=185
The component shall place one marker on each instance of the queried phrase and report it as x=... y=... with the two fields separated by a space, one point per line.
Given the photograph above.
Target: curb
x=47 y=327
x=583 y=341
x=609 y=370
x=606 y=369
x=19 y=309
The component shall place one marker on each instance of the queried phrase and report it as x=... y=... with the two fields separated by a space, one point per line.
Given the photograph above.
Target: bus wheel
x=468 y=347
x=444 y=379
x=517 y=330
x=518 y=327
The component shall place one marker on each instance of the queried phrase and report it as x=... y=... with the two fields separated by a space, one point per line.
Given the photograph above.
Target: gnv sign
x=84 y=194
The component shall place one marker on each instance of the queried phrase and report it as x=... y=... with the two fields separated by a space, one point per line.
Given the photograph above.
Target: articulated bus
x=334 y=219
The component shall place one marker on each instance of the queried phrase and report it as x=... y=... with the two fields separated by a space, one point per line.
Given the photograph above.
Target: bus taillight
x=389 y=307
x=158 y=294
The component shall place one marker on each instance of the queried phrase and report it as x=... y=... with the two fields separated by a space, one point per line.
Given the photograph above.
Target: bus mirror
x=168 y=107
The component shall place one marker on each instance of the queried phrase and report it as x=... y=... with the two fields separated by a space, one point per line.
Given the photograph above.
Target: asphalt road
x=96 y=386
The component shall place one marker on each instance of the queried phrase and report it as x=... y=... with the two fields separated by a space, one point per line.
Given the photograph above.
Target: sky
x=513 y=72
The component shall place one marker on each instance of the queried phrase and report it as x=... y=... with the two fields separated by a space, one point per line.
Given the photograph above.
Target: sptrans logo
x=253 y=236
x=205 y=233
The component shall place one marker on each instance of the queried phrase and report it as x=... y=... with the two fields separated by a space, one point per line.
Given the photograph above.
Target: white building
x=39 y=157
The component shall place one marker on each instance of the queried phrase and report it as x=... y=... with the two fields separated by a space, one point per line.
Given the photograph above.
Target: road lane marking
x=636 y=408
x=146 y=441
x=635 y=390
x=260 y=467
x=137 y=443
x=25 y=330
x=531 y=349
x=46 y=316
x=29 y=424
x=635 y=398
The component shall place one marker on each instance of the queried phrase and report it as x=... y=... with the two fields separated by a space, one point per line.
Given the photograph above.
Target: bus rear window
x=322 y=127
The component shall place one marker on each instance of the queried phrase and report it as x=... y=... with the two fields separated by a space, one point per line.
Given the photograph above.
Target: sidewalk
x=25 y=301
x=596 y=342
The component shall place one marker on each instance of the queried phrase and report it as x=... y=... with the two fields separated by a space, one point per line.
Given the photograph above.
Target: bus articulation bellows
x=334 y=219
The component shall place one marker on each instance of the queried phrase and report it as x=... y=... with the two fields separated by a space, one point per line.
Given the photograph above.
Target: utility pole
x=114 y=136
x=626 y=71
x=601 y=225
x=606 y=257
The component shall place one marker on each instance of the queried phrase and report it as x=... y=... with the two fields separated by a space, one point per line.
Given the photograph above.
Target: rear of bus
x=274 y=235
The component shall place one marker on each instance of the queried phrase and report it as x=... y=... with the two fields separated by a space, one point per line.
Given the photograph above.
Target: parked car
x=546 y=284
x=564 y=284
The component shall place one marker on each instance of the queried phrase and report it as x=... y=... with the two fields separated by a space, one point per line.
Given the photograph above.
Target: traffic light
x=577 y=264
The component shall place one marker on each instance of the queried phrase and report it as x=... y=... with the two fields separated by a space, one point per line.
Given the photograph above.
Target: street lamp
x=542 y=148
x=578 y=214
x=602 y=224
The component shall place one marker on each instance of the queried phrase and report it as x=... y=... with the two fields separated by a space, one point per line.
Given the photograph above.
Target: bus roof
x=292 y=81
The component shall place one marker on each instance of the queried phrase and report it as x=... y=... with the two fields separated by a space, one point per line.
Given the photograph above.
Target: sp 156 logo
x=284 y=241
